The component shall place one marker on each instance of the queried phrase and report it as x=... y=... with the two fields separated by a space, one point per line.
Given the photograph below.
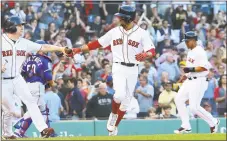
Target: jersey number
x=31 y=68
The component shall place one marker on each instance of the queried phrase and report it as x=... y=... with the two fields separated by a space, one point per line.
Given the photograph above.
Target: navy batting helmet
x=10 y=24
x=190 y=35
x=127 y=13
x=40 y=42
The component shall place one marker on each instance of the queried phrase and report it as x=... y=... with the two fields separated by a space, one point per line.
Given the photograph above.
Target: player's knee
x=124 y=107
x=118 y=98
x=193 y=109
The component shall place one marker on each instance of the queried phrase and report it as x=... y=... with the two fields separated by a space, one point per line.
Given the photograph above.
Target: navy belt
x=127 y=64
x=5 y=78
x=191 y=78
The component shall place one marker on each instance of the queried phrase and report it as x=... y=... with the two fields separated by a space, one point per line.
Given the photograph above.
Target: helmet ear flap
x=9 y=27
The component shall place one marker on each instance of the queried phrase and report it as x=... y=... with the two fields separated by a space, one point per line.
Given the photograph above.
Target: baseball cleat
x=114 y=132
x=18 y=135
x=9 y=137
x=111 y=122
x=182 y=130
x=215 y=128
x=47 y=132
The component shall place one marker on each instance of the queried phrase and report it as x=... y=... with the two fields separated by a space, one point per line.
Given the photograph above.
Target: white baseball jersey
x=126 y=44
x=197 y=57
x=14 y=54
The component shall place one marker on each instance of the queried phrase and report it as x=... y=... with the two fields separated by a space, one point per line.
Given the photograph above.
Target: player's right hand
x=68 y=52
x=3 y=69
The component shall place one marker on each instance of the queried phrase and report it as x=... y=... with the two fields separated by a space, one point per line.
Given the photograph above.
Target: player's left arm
x=148 y=48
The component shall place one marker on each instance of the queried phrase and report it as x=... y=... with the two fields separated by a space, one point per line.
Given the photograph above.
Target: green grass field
x=144 y=137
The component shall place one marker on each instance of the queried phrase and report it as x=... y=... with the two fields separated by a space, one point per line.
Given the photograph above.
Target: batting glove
x=187 y=70
x=141 y=56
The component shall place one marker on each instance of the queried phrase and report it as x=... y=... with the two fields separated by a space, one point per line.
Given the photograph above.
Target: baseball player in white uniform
x=130 y=44
x=193 y=88
x=14 y=50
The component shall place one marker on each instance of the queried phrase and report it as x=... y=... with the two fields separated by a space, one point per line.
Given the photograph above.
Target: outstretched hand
x=68 y=52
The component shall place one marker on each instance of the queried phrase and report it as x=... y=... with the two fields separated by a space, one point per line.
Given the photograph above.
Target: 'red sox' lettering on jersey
x=10 y=53
x=130 y=42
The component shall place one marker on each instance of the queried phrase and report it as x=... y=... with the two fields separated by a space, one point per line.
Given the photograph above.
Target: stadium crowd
x=84 y=86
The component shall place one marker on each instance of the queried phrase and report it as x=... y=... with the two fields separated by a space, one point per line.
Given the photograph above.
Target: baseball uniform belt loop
x=190 y=78
x=5 y=78
x=127 y=64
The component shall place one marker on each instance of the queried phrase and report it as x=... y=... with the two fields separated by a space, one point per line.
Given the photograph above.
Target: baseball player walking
x=193 y=88
x=130 y=44
x=14 y=50
x=36 y=70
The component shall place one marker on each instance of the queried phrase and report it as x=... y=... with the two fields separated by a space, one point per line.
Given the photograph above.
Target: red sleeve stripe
x=152 y=51
x=94 y=45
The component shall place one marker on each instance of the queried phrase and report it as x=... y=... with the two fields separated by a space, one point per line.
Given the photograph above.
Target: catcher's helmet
x=190 y=35
x=10 y=24
x=127 y=13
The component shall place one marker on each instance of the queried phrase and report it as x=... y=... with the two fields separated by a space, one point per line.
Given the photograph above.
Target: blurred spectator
x=74 y=32
x=53 y=103
x=133 y=109
x=170 y=67
x=170 y=52
x=144 y=94
x=28 y=35
x=209 y=93
x=167 y=113
x=167 y=16
x=220 y=95
x=18 y=12
x=129 y=2
x=155 y=18
x=51 y=31
x=64 y=40
x=163 y=34
x=179 y=15
x=98 y=73
x=109 y=83
x=218 y=42
x=212 y=34
x=152 y=72
x=44 y=16
x=166 y=98
x=202 y=27
x=152 y=113
x=209 y=49
x=99 y=106
x=106 y=72
x=109 y=9
x=56 y=19
x=190 y=12
x=97 y=25
x=208 y=107
x=74 y=99
x=30 y=14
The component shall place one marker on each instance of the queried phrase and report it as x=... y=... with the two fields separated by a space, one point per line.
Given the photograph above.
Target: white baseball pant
x=193 y=90
x=124 y=81
x=37 y=90
x=19 y=87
